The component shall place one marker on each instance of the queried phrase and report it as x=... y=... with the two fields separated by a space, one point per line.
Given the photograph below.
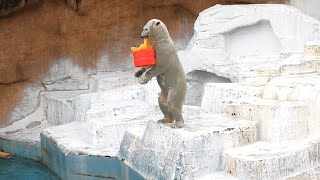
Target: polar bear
x=168 y=71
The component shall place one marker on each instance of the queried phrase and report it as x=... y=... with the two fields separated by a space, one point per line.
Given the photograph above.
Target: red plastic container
x=144 y=57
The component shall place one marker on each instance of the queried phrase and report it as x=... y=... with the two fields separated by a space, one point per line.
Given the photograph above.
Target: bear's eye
x=146 y=29
x=158 y=23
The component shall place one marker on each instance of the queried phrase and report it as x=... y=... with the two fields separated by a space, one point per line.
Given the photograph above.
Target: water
x=18 y=168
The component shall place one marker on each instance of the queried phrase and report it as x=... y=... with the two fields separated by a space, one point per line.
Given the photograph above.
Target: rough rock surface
x=51 y=30
x=271 y=131
x=278 y=121
x=65 y=75
x=166 y=153
x=310 y=7
x=264 y=161
x=250 y=35
x=7 y=7
x=92 y=34
x=28 y=94
x=210 y=146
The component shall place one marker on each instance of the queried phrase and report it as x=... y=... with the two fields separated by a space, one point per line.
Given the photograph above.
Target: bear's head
x=155 y=28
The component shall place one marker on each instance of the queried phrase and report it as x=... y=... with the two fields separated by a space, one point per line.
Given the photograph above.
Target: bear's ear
x=158 y=23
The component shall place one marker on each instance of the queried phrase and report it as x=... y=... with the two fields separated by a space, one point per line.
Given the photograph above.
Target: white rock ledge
x=189 y=152
x=300 y=87
x=278 y=121
x=265 y=161
x=312 y=48
x=112 y=80
x=217 y=96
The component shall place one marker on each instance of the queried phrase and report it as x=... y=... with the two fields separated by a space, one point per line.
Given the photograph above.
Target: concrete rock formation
x=260 y=120
x=310 y=7
x=49 y=30
x=230 y=41
x=249 y=33
x=93 y=35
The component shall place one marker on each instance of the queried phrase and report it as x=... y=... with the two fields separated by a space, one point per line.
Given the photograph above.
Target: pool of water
x=18 y=168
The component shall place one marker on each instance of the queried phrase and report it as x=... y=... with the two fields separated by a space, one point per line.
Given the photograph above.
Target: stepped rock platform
x=251 y=112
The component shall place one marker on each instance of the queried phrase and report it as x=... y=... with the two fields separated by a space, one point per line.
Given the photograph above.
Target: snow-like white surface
x=68 y=139
x=106 y=124
x=311 y=174
x=185 y=153
x=302 y=87
x=196 y=82
x=112 y=80
x=83 y=103
x=259 y=40
x=188 y=111
x=259 y=74
x=217 y=96
x=121 y=110
x=278 y=121
x=284 y=20
x=130 y=142
x=310 y=7
x=302 y=65
x=29 y=102
x=152 y=90
x=26 y=130
x=264 y=160
x=217 y=176
x=65 y=75
x=231 y=39
x=108 y=133
x=57 y=106
x=312 y=48
x=275 y=100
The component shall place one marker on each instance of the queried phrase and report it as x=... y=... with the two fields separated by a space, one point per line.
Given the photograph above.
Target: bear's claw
x=177 y=124
x=143 y=79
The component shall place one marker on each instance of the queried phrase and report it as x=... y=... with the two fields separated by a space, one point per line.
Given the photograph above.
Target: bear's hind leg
x=177 y=115
x=175 y=103
x=163 y=104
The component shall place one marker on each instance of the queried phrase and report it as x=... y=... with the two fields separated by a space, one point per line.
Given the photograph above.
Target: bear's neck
x=163 y=42
x=163 y=36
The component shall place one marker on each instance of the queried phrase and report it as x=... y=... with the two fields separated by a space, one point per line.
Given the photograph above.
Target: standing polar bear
x=169 y=72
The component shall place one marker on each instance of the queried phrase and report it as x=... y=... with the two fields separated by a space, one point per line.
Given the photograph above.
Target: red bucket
x=144 y=57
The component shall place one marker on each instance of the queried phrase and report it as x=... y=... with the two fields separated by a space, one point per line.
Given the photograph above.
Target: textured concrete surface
x=267 y=126
x=278 y=121
x=271 y=161
x=189 y=152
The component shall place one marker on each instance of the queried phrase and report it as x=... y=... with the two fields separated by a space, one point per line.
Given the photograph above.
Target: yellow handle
x=135 y=49
x=145 y=45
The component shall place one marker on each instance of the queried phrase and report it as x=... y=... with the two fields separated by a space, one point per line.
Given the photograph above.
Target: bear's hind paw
x=165 y=120
x=177 y=124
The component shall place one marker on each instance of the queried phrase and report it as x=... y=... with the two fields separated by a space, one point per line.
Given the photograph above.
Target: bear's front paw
x=143 y=80
x=138 y=73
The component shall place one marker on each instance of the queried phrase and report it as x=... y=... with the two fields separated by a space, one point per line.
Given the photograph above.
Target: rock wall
x=36 y=35
x=249 y=36
x=310 y=7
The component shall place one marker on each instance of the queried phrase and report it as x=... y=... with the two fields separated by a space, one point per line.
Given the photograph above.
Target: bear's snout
x=144 y=36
